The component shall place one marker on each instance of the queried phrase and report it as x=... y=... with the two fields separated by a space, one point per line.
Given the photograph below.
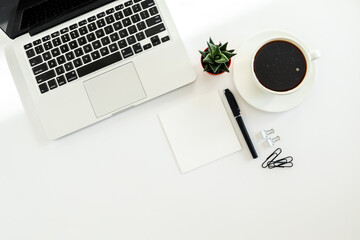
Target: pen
x=236 y=112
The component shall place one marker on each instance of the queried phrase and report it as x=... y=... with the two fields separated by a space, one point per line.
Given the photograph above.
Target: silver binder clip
x=265 y=133
x=272 y=141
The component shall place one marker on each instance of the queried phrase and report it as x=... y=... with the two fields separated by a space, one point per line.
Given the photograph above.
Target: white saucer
x=251 y=93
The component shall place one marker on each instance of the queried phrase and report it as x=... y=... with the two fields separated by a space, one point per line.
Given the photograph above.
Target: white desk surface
x=118 y=179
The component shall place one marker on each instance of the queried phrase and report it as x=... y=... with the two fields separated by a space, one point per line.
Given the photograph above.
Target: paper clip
x=271 y=158
x=282 y=163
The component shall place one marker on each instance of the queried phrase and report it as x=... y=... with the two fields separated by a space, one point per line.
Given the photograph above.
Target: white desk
x=118 y=179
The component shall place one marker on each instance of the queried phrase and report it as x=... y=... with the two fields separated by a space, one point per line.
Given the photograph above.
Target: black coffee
x=280 y=66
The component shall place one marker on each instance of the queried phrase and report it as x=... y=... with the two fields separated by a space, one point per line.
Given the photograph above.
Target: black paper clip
x=271 y=161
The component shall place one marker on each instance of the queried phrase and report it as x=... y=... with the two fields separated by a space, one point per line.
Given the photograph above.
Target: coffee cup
x=281 y=65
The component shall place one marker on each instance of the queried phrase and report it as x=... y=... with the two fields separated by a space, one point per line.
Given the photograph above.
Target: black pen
x=236 y=112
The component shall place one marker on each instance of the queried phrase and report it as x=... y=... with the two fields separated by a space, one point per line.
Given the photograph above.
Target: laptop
x=77 y=62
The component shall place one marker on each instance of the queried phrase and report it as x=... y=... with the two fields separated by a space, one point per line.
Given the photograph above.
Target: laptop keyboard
x=96 y=42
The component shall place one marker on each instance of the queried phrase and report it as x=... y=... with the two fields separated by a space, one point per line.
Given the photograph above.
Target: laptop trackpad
x=114 y=90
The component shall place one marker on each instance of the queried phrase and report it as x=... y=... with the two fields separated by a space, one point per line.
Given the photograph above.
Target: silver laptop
x=77 y=62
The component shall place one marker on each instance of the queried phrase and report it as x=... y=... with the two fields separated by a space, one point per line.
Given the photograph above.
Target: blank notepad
x=199 y=131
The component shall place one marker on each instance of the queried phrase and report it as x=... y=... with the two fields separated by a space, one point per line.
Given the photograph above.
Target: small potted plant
x=216 y=59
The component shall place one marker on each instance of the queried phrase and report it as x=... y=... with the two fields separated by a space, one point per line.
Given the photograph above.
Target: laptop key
x=61 y=80
x=100 y=23
x=64 y=30
x=70 y=56
x=100 y=15
x=46 y=56
x=104 y=51
x=153 y=11
x=140 y=36
x=153 y=21
x=141 y=26
x=45 y=76
x=60 y=70
x=40 y=68
x=144 y=14
x=77 y=63
x=114 y=37
x=71 y=76
x=147 y=3
x=86 y=59
x=109 y=29
x=127 y=52
x=74 y=34
x=105 y=41
x=61 y=60
x=43 y=88
x=131 y=40
x=46 y=38
x=126 y=22
x=37 y=42
x=39 y=49
x=52 y=84
x=128 y=3
x=56 y=42
x=155 y=40
x=83 y=30
x=65 y=38
x=73 y=44
x=28 y=46
x=91 y=19
x=35 y=61
x=96 y=44
x=122 y=43
x=147 y=46
x=103 y=62
x=135 y=18
x=72 y=27
x=155 y=30
x=118 y=15
x=127 y=12
x=69 y=66
x=82 y=41
x=78 y=52
x=30 y=53
x=92 y=27
x=82 y=23
x=100 y=33
x=55 y=34
x=117 y=26
x=55 y=52
x=113 y=47
x=165 y=39
x=87 y=48
x=91 y=37
x=52 y=63
x=95 y=55
x=137 y=48
x=136 y=8
x=64 y=48
x=48 y=45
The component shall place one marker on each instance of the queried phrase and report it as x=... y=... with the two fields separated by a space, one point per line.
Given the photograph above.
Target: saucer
x=251 y=93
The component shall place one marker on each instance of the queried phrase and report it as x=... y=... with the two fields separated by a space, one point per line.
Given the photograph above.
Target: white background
x=118 y=179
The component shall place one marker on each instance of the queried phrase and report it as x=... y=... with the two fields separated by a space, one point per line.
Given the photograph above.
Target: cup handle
x=314 y=55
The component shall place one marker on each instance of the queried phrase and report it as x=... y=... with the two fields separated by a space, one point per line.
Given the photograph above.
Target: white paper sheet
x=199 y=131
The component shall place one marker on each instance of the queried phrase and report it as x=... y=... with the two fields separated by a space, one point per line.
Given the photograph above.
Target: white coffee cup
x=308 y=55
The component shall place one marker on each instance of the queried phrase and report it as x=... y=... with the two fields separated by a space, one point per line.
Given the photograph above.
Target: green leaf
x=230 y=51
x=223 y=67
x=211 y=41
x=203 y=54
x=214 y=68
x=222 y=59
x=211 y=47
x=208 y=59
x=223 y=47
x=206 y=68
x=229 y=55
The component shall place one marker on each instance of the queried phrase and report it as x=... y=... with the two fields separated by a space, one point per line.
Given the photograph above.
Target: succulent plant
x=216 y=57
